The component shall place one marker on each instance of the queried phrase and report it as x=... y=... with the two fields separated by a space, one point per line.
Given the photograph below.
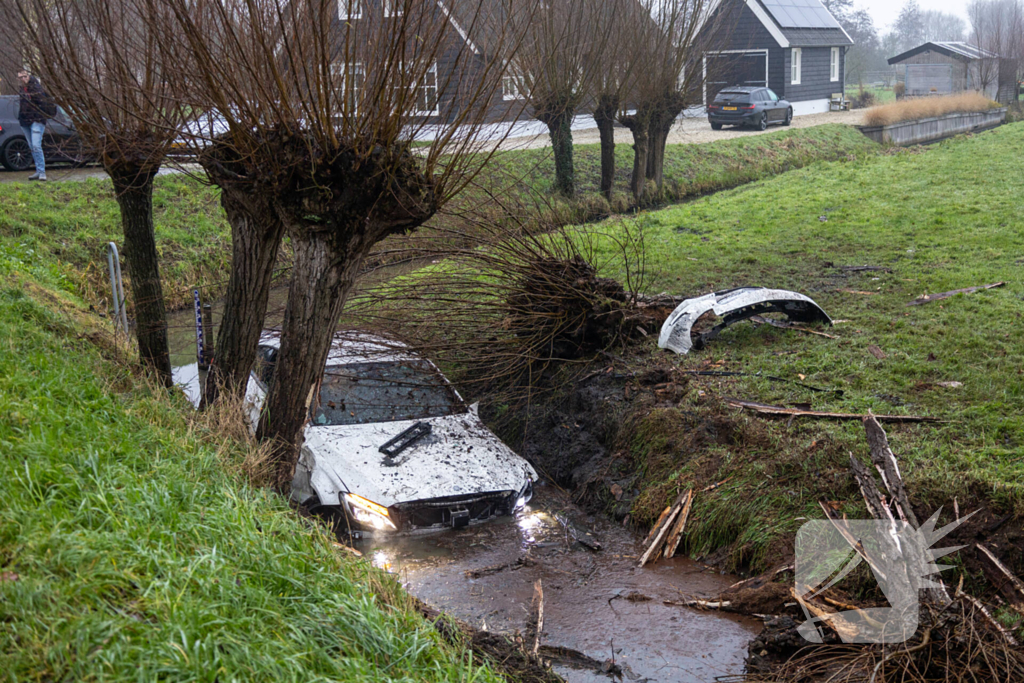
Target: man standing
x=32 y=117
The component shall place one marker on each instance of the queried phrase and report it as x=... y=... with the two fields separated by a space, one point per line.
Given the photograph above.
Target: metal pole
x=117 y=288
x=200 y=350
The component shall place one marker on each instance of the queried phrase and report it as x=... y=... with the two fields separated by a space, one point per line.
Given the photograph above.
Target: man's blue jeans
x=35 y=143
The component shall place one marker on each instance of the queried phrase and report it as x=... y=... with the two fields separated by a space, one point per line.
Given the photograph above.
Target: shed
x=943 y=68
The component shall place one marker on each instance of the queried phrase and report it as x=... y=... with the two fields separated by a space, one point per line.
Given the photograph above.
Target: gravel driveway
x=690 y=131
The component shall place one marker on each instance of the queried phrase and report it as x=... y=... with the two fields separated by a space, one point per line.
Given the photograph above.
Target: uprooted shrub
x=500 y=314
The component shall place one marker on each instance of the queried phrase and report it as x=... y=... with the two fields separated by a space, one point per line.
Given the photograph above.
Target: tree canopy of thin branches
x=556 y=65
x=338 y=126
x=105 y=62
x=668 y=52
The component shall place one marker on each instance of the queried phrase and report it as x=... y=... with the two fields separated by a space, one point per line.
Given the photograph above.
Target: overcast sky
x=886 y=11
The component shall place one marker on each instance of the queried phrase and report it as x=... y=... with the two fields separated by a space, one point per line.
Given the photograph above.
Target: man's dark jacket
x=30 y=103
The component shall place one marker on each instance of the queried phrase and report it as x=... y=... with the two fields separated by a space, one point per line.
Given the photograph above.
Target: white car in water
x=390 y=445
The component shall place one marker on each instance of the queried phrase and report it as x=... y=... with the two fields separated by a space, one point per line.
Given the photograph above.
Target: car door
x=59 y=138
x=778 y=111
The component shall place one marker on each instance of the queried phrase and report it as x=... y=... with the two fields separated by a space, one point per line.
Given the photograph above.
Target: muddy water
x=587 y=604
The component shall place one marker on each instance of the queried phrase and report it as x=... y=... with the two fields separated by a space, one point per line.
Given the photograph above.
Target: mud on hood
x=459 y=457
x=734 y=305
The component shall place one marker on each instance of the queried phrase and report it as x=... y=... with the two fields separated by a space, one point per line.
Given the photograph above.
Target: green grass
x=127 y=552
x=942 y=218
x=64 y=227
x=693 y=169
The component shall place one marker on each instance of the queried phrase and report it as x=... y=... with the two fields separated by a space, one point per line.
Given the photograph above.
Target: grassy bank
x=64 y=227
x=129 y=552
x=941 y=218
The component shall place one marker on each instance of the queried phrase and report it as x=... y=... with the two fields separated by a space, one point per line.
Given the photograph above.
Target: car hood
x=459 y=457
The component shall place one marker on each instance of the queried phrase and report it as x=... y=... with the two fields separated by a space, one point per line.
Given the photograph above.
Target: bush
x=863 y=100
x=900 y=90
x=927 y=107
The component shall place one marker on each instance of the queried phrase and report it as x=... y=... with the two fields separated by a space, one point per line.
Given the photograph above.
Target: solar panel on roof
x=800 y=14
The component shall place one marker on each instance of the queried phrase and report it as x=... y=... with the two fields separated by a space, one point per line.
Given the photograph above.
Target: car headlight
x=525 y=495
x=367 y=512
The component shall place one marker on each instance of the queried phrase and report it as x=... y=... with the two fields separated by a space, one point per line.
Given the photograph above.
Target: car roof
x=745 y=89
x=354 y=346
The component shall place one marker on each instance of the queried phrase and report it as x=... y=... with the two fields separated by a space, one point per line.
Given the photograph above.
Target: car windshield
x=363 y=393
x=733 y=97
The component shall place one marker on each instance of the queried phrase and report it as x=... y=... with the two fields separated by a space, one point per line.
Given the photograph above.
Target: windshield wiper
x=407 y=438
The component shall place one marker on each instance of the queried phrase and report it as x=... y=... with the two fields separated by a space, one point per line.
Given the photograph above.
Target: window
x=772 y=96
x=349 y=9
x=426 y=92
x=392 y=8
x=834 y=71
x=361 y=393
x=510 y=87
x=796 y=66
x=349 y=79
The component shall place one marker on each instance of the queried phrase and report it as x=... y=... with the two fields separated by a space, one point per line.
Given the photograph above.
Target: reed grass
x=926 y=108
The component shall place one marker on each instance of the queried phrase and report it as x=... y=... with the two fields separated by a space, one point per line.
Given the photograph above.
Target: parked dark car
x=60 y=141
x=747 y=106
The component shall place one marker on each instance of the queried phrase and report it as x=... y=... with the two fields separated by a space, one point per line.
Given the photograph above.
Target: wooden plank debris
x=657 y=525
x=653 y=550
x=928 y=298
x=674 y=536
x=876 y=351
x=779 y=411
x=535 y=625
x=702 y=604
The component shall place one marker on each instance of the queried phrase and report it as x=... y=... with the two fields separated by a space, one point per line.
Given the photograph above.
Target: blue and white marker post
x=204 y=367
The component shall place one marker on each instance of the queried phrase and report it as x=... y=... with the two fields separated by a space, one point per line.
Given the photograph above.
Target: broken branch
x=928 y=298
x=779 y=411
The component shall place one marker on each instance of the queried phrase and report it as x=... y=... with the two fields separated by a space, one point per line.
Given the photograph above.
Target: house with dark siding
x=795 y=47
x=450 y=85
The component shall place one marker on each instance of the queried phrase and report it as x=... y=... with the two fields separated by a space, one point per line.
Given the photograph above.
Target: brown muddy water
x=597 y=602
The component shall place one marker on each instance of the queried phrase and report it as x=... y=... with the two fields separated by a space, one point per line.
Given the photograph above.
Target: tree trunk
x=560 y=128
x=256 y=233
x=321 y=281
x=604 y=116
x=134 y=191
x=661 y=125
x=639 y=125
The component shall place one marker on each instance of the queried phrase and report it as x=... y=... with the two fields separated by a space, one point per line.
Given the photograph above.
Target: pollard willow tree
x=104 y=62
x=554 y=68
x=671 y=74
x=349 y=123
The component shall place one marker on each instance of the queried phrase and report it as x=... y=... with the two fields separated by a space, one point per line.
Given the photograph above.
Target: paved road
x=66 y=174
x=690 y=131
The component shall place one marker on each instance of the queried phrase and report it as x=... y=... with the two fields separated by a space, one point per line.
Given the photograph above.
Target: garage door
x=929 y=79
x=749 y=68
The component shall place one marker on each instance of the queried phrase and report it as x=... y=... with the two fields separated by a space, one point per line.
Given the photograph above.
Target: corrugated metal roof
x=969 y=51
x=959 y=50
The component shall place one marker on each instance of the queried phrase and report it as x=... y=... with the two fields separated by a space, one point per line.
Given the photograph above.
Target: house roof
x=799 y=23
x=957 y=50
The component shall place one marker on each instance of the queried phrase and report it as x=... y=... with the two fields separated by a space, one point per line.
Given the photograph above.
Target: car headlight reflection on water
x=369 y=513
